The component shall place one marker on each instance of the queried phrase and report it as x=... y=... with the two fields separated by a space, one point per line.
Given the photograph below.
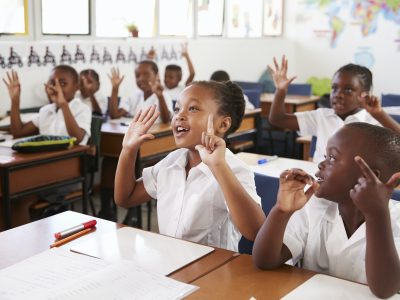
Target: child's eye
x=331 y=158
x=176 y=110
x=193 y=108
x=348 y=90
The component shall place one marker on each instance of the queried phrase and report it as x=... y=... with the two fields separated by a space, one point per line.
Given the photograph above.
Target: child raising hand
x=204 y=193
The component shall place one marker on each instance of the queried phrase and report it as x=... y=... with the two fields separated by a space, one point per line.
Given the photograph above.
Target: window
x=273 y=14
x=14 y=16
x=65 y=17
x=210 y=17
x=176 y=17
x=244 y=18
x=113 y=17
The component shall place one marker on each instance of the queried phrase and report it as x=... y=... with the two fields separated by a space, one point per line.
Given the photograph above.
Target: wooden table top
x=240 y=279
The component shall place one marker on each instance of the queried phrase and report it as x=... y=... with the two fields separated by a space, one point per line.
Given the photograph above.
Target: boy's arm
x=185 y=54
x=382 y=263
x=116 y=80
x=277 y=115
x=164 y=110
x=269 y=251
x=128 y=191
x=373 y=106
x=18 y=129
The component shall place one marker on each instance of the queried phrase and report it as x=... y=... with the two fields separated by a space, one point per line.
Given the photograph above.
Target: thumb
x=394 y=180
x=146 y=137
x=311 y=190
x=199 y=147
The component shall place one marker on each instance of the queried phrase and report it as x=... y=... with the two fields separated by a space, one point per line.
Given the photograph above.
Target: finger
x=291 y=79
x=199 y=148
x=283 y=61
x=143 y=114
x=210 y=125
x=212 y=142
x=365 y=169
x=136 y=117
x=394 y=181
x=276 y=64
x=311 y=190
x=8 y=76
x=5 y=82
x=284 y=174
x=203 y=138
x=149 y=114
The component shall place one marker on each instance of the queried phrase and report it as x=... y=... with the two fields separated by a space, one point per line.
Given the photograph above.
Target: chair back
x=396 y=195
x=390 y=100
x=95 y=136
x=303 y=89
x=248 y=85
x=254 y=96
x=267 y=188
x=313 y=145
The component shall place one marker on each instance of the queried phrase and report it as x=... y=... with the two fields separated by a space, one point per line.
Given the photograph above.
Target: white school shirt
x=174 y=92
x=248 y=104
x=324 y=122
x=50 y=120
x=316 y=234
x=136 y=102
x=102 y=101
x=194 y=208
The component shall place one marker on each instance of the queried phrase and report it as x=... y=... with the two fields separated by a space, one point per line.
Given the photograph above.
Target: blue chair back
x=254 y=96
x=267 y=188
x=396 y=195
x=313 y=145
x=303 y=89
x=247 y=85
x=390 y=100
x=396 y=118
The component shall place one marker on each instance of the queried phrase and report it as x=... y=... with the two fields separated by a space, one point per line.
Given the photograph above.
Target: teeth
x=180 y=129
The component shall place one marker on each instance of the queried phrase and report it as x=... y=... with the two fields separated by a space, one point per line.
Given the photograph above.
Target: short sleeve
x=308 y=122
x=102 y=101
x=149 y=176
x=83 y=117
x=295 y=236
x=168 y=101
x=35 y=120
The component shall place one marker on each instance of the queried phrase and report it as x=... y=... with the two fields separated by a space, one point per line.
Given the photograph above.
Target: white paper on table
x=331 y=288
x=25 y=118
x=154 y=252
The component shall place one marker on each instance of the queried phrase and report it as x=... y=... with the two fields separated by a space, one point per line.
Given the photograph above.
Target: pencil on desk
x=70 y=238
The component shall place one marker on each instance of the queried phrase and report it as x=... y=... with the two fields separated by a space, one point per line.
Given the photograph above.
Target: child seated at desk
x=151 y=92
x=204 y=193
x=222 y=76
x=350 y=102
x=66 y=115
x=89 y=87
x=354 y=233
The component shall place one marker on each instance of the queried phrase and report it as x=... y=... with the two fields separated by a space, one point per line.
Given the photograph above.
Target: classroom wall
x=244 y=59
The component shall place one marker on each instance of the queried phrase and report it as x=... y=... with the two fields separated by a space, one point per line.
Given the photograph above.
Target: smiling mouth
x=180 y=130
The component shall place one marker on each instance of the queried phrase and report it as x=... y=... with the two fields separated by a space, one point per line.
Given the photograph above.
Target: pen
x=71 y=237
x=265 y=160
x=75 y=229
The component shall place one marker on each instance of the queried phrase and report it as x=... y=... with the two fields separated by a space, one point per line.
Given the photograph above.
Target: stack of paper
x=60 y=274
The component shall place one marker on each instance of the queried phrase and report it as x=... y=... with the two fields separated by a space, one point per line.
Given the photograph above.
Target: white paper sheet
x=61 y=274
x=153 y=252
x=331 y=288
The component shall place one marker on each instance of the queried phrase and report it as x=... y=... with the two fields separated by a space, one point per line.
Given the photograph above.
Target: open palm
x=279 y=74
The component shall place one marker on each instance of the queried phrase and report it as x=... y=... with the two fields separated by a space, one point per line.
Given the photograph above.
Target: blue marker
x=265 y=160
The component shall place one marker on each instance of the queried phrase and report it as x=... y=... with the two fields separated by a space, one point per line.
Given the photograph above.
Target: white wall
x=244 y=59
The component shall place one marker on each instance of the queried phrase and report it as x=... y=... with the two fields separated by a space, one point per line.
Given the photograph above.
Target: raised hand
x=115 y=78
x=89 y=85
x=212 y=148
x=156 y=86
x=291 y=195
x=55 y=93
x=370 y=103
x=13 y=85
x=137 y=130
x=370 y=195
x=185 y=52
x=151 y=54
x=279 y=74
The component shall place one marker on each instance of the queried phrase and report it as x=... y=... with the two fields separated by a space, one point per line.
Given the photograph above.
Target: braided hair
x=363 y=74
x=230 y=99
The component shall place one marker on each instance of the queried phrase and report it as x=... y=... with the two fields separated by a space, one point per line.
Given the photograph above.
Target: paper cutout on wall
x=173 y=54
x=164 y=54
x=79 y=55
x=94 y=56
x=65 y=56
x=107 y=56
x=2 y=61
x=120 y=56
x=33 y=58
x=143 y=55
x=49 y=58
x=14 y=59
x=132 y=56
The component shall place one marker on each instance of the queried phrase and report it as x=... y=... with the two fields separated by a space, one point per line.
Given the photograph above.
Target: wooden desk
x=24 y=174
x=293 y=103
x=240 y=279
x=24 y=241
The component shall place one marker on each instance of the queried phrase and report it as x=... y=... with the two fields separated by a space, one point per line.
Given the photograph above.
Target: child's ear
x=224 y=125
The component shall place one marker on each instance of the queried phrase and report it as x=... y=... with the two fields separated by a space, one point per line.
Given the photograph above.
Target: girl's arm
x=127 y=190
x=269 y=251
x=373 y=106
x=277 y=115
x=92 y=87
x=382 y=263
x=158 y=90
x=185 y=54
x=113 y=109
x=18 y=129
x=247 y=215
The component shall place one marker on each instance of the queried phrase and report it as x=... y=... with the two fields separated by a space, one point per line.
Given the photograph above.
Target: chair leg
x=134 y=217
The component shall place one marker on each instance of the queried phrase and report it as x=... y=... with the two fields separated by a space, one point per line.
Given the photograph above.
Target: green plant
x=132 y=27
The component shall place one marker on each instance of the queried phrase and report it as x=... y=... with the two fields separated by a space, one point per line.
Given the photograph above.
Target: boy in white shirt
x=151 y=93
x=354 y=233
x=89 y=88
x=204 y=193
x=66 y=115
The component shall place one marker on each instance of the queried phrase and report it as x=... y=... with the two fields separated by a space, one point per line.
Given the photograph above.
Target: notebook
x=154 y=252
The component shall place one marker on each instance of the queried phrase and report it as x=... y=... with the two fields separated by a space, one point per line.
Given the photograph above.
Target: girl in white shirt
x=204 y=193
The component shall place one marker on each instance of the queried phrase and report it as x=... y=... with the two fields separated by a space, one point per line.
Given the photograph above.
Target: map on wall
x=367 y=15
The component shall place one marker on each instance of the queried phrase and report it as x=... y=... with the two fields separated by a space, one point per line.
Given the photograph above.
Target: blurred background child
x=89 y=87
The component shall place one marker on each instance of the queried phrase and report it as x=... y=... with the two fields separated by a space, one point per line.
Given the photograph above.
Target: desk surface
x=24 y=241
x=240 y=279
x=291 y=99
